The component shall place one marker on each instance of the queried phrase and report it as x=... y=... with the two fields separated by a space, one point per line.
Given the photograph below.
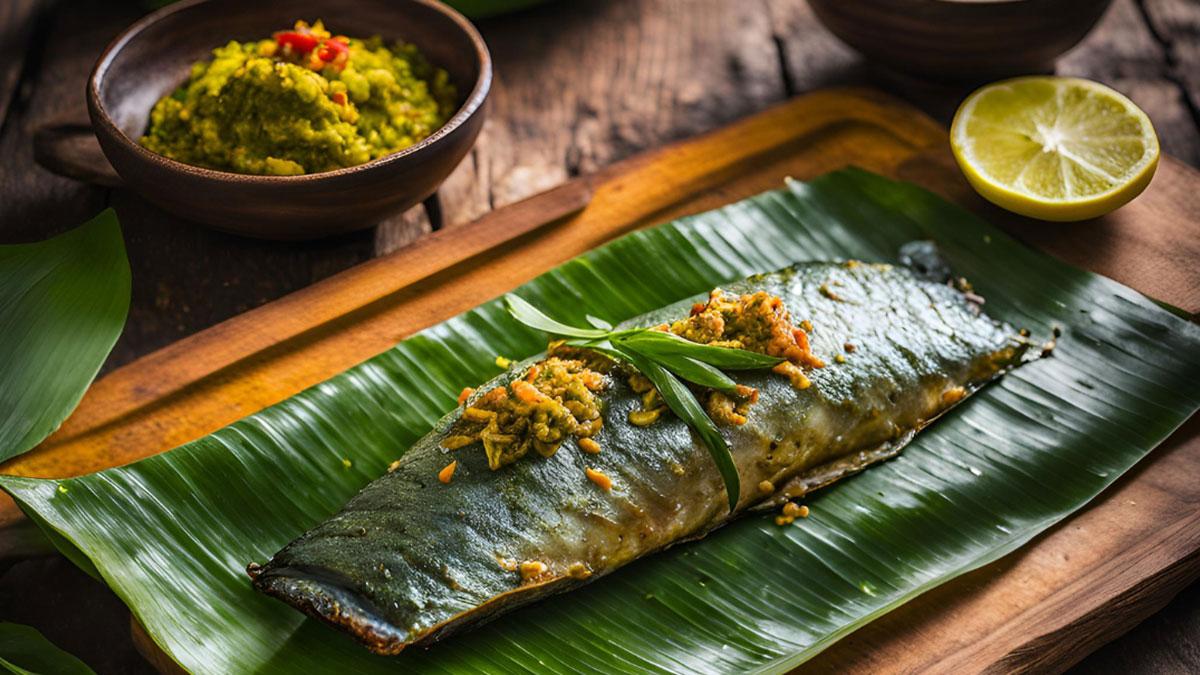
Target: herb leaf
x=656 y=343
x=597 y=322
x=696 y=372
x=681 y=401
x=533 y=317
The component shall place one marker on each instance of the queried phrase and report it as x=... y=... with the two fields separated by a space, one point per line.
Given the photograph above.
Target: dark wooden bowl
x=961 y=40
x=153 y=56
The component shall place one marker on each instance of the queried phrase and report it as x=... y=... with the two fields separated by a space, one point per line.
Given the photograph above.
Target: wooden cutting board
x=1045 y=606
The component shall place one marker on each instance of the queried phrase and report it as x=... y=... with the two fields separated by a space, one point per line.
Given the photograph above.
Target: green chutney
x=301 y=102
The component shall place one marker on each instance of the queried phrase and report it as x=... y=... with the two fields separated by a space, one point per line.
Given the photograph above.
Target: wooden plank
x=994 y=619
x=581 y=85
x=1167 y=642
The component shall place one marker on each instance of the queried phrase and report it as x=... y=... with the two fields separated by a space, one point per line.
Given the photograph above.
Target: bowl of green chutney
x=290 y=119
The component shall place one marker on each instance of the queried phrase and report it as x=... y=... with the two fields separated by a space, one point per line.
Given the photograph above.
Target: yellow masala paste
x=300 y=102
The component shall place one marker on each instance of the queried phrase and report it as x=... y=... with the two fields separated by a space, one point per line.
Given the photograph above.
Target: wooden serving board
x=1044 y=607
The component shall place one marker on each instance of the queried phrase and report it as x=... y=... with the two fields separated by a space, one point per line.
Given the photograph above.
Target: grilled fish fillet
x=410 y=560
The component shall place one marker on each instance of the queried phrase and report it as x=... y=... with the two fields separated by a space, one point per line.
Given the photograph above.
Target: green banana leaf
x=63 y=303
x=172 y=534
x=25 y=651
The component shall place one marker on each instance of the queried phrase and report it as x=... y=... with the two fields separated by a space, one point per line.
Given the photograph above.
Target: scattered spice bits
x=579 y=570
x=557 y=399
x=794 y=510
x=1048 y=348
x=953 y=395
x=849 y=348
x=766 y=487
x=807 y=326
x=346 y=463
x=599 y=478
x=393 y=466
x=589 y=446
x=731 y=408
x=447 y=472
x=757 y=322
x=828 y=292
x=502 y=362
x=974 y=298
x=968 y=291
x=653 y=406
x=532 y=569
x=465 y=394
x=790 y=512
x=838 y=358
x=644 y=418
x=798 y=379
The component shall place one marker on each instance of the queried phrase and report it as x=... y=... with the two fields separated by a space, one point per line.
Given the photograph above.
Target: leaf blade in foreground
x=63 y=303
x=25 y=651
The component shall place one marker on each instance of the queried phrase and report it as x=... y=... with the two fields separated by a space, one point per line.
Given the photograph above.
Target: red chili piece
x=330 y=49
x=300 y=42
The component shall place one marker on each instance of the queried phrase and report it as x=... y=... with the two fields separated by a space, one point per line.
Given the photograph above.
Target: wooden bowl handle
x=70 y=149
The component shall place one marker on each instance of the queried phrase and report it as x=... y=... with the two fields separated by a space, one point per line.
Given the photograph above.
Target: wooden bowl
x=961 y=40
x=153 y=56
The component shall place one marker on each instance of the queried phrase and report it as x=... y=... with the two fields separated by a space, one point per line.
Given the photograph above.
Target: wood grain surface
x=1061 y=592
x=579 y=86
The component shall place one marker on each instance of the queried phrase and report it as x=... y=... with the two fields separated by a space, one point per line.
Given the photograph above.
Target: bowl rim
x=469 y=107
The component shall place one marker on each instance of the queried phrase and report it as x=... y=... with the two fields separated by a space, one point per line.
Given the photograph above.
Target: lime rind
x=1054 y=148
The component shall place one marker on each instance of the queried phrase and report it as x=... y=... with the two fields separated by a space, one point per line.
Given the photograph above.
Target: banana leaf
x=172 y=534
x=63 y=303
x=25 y=651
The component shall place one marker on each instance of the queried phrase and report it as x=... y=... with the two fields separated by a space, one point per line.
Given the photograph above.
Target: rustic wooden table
x=578 y=86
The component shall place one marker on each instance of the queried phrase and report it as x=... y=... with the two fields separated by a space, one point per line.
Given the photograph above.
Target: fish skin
x=409 y=560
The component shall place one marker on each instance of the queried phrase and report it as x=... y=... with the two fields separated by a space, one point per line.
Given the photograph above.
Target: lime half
x=1054 y=148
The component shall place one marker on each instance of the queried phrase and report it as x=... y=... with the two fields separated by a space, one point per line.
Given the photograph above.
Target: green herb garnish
x=667 y=360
